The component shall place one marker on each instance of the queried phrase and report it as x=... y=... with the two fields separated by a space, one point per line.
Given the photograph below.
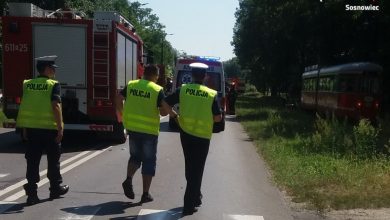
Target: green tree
x=146 y=23
x=276 y=39
x=232 y=68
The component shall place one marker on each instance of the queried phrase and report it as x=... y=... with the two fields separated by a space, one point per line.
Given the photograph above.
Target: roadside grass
x=2 y=117
x=326 y=164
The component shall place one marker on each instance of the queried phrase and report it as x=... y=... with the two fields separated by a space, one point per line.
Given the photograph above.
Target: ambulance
x=215 y=79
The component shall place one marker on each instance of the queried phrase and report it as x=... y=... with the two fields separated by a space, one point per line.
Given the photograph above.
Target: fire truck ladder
x=101 y=65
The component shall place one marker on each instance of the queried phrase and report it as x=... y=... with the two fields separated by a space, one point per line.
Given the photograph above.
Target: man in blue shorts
x=139 y=103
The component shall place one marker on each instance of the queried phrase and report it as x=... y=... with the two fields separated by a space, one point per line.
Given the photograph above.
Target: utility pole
x=162 y=48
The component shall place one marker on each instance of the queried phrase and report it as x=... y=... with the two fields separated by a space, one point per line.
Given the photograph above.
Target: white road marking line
x=3 y=175
x=154 y=214
x=86 y=213
x=4 y=206
x=242 y=217
x=22 y=193
x=149 y=211
x=42 y=173
x=46 y=180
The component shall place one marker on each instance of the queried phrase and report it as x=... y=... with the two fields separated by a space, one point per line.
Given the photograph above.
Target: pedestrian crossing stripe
x=86 y=213
x=149 y=211
x=148 y=214
x=242 y=217
x=144 y=214
x=3 y=175
x=4 y=206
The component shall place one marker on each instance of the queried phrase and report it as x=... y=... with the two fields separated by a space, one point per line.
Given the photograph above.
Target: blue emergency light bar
x=208 y=58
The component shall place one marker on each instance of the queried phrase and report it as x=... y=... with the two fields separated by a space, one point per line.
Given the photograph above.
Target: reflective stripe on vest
x=196 y=117
x=140 y=112
x=36 y=109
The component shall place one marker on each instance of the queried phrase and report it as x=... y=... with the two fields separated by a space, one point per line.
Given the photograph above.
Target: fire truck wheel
x=119 y=134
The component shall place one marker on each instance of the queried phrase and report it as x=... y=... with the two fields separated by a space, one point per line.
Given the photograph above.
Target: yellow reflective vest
x=36 y=109
x=196 y=117
x=140 y=111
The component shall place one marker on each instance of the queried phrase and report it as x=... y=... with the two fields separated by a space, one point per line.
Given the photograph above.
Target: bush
x=366 y=139
x=340 y=139
x=330 y=136
x=250 y=88
x=275 y=125
x=387 y=146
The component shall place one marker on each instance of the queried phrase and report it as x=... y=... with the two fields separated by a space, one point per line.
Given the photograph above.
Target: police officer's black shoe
x=198 y=202
x=189 y=211
x=56 y=192
x=128 y=189
x=32 y=200
x=146 y=197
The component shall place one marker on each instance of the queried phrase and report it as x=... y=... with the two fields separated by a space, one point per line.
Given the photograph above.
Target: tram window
x=313 y=84
x=348 y=83
x=309 y=84
x=327 y=83
x=306 y=85
x=322 y=85
x=332 y=83
x=369 y=85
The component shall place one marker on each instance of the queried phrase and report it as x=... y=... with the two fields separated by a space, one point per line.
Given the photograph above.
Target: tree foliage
x=146 y=23
x=276 y=39
x=232 y=68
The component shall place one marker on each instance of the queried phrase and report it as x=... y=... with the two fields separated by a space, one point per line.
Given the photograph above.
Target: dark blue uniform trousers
x=40 y=141
x=195 y=153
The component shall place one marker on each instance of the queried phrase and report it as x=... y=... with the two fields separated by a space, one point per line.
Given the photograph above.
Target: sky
x=198 y=27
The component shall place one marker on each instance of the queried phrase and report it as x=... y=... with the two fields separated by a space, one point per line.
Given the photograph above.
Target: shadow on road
x=94 y=192
x=15 y=208
x=107 y=208
x=11 y=142
x=11 y=208
x=172 y=214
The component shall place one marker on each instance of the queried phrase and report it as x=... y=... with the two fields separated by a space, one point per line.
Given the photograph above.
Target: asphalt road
x=236 y=183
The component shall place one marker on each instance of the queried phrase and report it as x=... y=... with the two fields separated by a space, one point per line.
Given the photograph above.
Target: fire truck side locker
x=69 y=43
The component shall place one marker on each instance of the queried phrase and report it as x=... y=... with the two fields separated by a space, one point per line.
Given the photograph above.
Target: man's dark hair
x=41 y=67
x=198 y=74
x=151 y=70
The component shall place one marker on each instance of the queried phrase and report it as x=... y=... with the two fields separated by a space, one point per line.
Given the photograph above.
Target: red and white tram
x=350 y=90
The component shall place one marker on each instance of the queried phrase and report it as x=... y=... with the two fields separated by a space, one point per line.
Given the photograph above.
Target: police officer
x=198 y=110
x=40 y=116
x=141 y=117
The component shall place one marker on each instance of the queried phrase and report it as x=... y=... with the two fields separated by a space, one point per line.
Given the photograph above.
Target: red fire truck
x=96 y=57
